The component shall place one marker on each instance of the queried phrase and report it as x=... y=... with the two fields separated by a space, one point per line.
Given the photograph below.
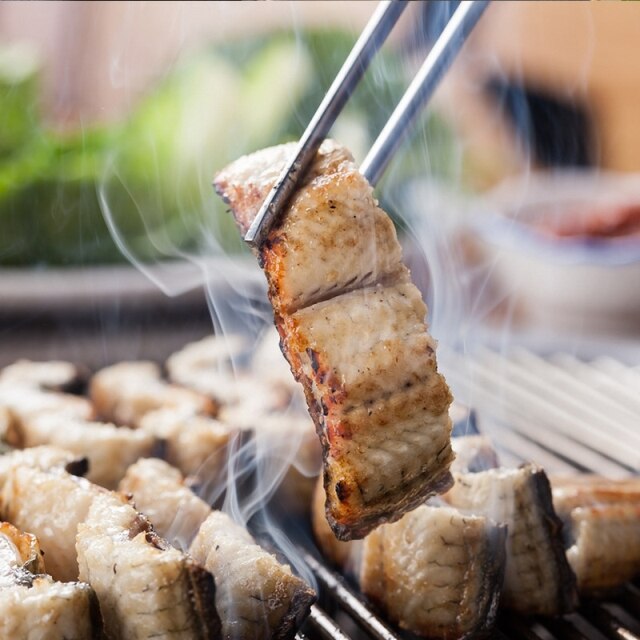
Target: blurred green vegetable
x=19 y=80
x=151 y=175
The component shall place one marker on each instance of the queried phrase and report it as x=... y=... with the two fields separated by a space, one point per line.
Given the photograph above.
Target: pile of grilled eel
x=97 y=536
x=498 y=537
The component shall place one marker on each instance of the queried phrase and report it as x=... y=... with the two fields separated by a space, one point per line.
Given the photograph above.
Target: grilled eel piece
x=32 y=605
x=196 y=444
x=602 y=525
x=123 y=393
x=145 y=588
x=161 y=492
x=109 y=449
x=436 y=572
x=538 y=578
x=52 y=375
x=351 y=325
x=257 y=596
x=21 y=401
x=44 y=457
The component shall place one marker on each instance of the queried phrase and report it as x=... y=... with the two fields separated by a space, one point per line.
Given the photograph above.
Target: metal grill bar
x=610 y=626
x=324 y=625
x=349 y=600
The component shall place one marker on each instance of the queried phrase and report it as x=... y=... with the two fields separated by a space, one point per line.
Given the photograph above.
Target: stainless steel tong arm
x=420 y=90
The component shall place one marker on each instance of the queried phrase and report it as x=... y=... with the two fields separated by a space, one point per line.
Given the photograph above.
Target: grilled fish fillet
x=206 y=365
x=436 y=572
x=123 y=393
x=161 y=493
x=146 y=588
x=602 y=521
x=49 y=504
x=109 y=449
x=44 y=457
x=256 y=596
x=32 y=605
x=196 y=444
x=352 y=327
x=538 y=579
x=23 y=401
x=54 y=375
x=49 y=610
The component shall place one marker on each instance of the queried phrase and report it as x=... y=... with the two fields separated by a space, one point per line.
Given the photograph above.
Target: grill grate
x=561 y=412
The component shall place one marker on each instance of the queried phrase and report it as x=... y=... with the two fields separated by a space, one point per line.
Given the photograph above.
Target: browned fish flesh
x=436 y=572
x=343 y=554
x=32 y=605
x=123 y=393
x=20 y=556
x=145 y=588
x=538 y=578
x=257 y=596
x=602 y=530
x=352 y=327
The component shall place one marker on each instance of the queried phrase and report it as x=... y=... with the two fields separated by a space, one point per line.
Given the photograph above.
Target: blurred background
x=517 y=199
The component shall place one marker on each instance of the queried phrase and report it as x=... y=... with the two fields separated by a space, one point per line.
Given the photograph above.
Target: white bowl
x=571 y=281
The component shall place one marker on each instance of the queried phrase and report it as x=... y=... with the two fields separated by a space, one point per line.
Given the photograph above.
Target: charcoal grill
x=559 y=411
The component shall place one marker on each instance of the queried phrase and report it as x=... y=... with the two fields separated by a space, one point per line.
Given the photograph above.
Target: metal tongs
x=419 y=91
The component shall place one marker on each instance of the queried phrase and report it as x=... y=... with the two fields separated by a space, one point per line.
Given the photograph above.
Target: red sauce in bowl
x=621 y=221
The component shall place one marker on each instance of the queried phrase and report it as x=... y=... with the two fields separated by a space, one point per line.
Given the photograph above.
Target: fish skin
x=351 y=325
